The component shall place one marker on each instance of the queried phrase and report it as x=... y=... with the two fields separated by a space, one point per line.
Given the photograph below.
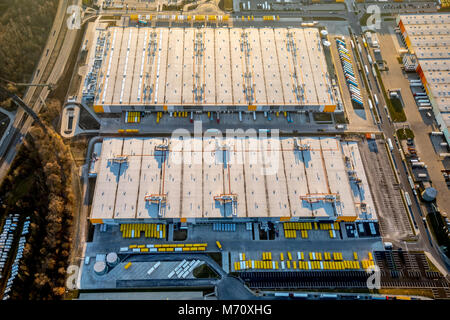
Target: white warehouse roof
x=270 y=178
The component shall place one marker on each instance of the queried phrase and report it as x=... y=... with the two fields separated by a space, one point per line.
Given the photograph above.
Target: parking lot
x=358 y=117
x=398 y=270
x=139 y=270
x=413 y=7
x=308 y=279
x=235 y=239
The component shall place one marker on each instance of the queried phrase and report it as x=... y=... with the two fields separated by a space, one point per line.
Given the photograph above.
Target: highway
x=49 y=70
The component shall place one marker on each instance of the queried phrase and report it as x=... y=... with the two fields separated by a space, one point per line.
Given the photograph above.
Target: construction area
x=207 y=69
x=233 y=177
x=427 y=36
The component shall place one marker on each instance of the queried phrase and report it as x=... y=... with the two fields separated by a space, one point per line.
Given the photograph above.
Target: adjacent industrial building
x=242 y=177
x=428 y=37
x=207 y=69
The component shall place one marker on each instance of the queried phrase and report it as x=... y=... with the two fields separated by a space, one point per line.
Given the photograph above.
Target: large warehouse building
x=242 y=177
x=428 y=37
x=208 y=69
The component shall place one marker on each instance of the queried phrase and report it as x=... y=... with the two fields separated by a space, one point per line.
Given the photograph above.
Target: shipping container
x=347 y=66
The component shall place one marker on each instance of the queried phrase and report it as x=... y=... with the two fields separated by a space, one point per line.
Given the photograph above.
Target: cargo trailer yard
x=266 y=181
x=207 y=69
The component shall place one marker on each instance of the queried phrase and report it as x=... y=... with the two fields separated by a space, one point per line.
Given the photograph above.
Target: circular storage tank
x=100 y=268
x=429 y=194
x=112 y=259
x=324 y=33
